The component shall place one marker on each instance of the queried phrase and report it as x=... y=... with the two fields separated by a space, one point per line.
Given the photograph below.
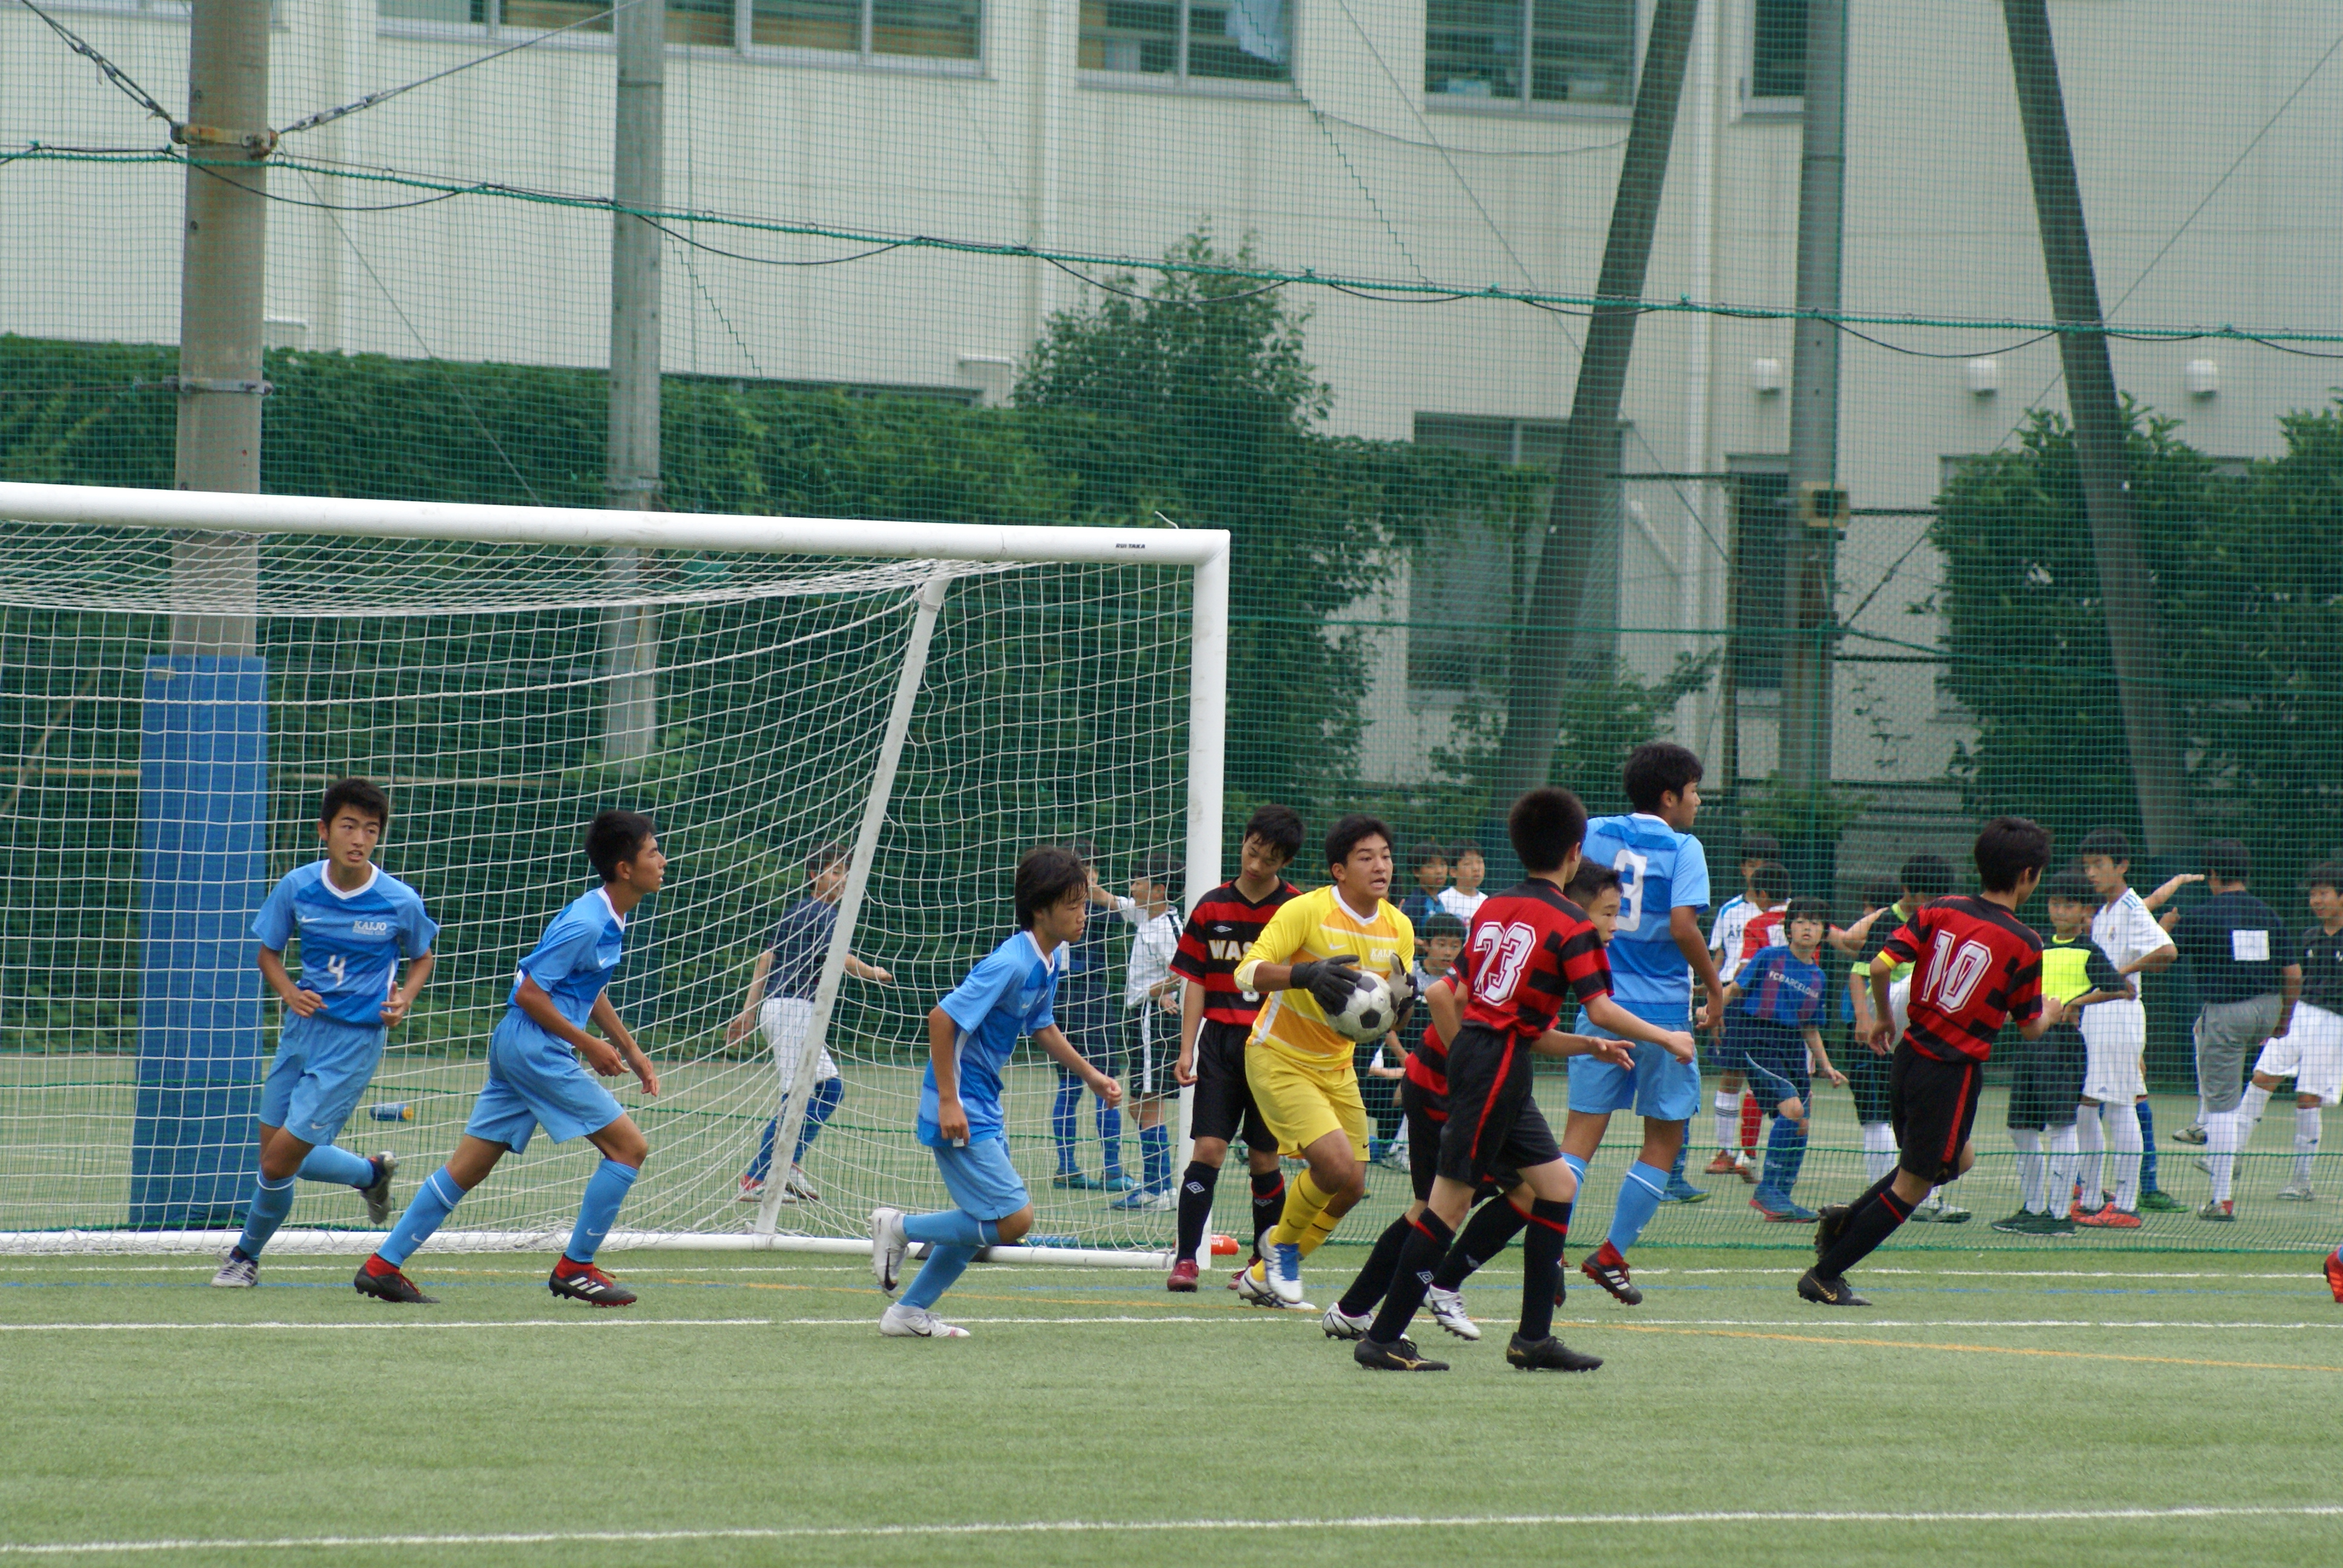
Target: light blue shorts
x=980 y=1178
x=1660 y=1089
x=534 y=1083
x=322 y=1066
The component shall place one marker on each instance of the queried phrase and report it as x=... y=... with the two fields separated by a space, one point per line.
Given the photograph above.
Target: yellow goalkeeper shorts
x=1303 y=1101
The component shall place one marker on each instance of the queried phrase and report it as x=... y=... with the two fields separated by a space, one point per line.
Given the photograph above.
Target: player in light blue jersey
x=353 y=922
x=970 y=1032
x=1656 y=955
x=535 y=1078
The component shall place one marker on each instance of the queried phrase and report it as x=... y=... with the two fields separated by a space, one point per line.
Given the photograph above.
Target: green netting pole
x=1811 y=613
x=2101 y=431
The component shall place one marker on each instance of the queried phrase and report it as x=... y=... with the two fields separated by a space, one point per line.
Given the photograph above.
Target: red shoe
x=2335 y=1274
x=585 y=1283
x=1184 y=1277
x=2109 y=1219
x=1608 y=1269
x=1726 y=1163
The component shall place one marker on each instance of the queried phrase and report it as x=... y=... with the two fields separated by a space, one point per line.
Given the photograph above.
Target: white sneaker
x=887 y=1246
x=1341 y=1326
x=1163 y=1203
x=2295 y=1192
x=1282 y=1264
x=797 y=1189
x=238 y=1272
x=1252 y=1291
x=1448 y=1312
x=751 y=1190
x=904 y=1323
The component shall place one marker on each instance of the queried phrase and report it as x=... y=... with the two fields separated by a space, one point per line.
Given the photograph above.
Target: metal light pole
x=631 y=475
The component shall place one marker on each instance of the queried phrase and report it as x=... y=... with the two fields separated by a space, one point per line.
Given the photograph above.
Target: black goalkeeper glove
x=1329 y=981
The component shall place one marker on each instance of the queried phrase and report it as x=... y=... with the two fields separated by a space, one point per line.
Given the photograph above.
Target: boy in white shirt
x=1463 y=901
x=1150 y=1052
x=2114 y=1037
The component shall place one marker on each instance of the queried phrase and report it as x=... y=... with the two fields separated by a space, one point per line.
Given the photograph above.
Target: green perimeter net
x=1332 y=277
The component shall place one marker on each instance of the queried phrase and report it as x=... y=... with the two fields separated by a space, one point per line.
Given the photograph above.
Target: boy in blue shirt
x=535 y=1078
x=970 y=1032
x=1778 y=1029
x=1658 y=949
x=355 y=922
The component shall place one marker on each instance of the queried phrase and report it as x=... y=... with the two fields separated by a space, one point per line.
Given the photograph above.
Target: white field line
x=1609 y=1321
x=1869 y=1270
x=1151 y=1526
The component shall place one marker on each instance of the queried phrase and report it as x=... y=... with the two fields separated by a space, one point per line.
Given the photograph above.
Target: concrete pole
x=1811 y=612
x=632 y=476
x=222 y=274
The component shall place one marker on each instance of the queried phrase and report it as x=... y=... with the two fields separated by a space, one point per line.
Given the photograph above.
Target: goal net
x=930 y=699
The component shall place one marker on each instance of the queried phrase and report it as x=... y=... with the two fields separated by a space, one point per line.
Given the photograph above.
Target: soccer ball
x=1368 y=1014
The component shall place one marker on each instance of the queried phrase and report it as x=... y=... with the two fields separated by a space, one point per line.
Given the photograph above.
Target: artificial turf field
x=2129 y=1408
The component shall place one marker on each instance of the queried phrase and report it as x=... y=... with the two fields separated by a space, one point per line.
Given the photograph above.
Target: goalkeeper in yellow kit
x=1314 y=951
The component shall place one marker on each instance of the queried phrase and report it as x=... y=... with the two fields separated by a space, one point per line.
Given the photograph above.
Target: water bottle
x=400 y=1111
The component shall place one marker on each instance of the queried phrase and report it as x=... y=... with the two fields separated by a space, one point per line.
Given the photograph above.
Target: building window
x=1777 y=50
x=895 y=29
x=1181 y=40
x=1526 y=51
x=1761 y=527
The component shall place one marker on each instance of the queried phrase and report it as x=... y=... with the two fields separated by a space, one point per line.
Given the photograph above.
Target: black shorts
x=1934 y=1106
x=1427 y=1120
x=1224 y=1107
x=1866 y=1079
x=1147 y=1062
x=1492 y=1123
x=2046 y=1081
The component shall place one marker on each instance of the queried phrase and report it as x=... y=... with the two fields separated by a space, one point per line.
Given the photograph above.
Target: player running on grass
x=535 y=1078
x=1657 y=954
x=1530 y=952
x=353 y=922
x=1216 y=1016
x=1308 y=960
x=1974 y=966
x=970 y=1032
x=1423 y=1100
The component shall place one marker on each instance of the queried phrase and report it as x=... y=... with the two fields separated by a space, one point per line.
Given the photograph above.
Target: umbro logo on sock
x=1195 y=1186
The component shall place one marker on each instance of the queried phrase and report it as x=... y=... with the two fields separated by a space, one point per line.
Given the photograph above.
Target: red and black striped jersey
x=1427 y=1064
x=1530 y=952
x=1224 y=925
x=1974 y=966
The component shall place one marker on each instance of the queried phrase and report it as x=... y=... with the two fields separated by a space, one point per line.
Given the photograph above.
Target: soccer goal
x=183 y=672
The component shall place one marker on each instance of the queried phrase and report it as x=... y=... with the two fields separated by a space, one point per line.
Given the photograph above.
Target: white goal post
x=312 y=636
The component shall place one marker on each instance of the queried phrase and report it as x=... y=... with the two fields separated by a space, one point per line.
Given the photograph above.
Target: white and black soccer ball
x=1369 y=1014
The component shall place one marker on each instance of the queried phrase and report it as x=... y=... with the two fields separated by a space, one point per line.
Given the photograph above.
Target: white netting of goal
x=477 y=683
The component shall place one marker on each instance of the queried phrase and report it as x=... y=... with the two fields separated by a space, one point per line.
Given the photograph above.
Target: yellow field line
x=1973 y=1349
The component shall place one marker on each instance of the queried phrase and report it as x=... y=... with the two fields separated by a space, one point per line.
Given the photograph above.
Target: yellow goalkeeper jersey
x=1317 y=925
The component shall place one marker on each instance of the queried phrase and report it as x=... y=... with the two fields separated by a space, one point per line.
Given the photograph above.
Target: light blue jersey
x=351 y=943
x=1009 y=995
x=1660 y=870
x=572 y=963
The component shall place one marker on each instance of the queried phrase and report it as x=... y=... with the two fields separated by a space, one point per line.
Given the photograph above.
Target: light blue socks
x=327 y=1164
x=434 y=1201
x=953 y=1238
x=1639 y=1200
x=604 y=1191
x=271 y=1202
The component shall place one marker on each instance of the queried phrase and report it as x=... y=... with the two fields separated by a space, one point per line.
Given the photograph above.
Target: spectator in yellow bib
x=1317 y=948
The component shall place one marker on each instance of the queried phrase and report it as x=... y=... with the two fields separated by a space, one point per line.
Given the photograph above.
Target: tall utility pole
x=631 y=475
x=2100 y=431
x=1590 y=444
x=1810 y=581
x=204 y=724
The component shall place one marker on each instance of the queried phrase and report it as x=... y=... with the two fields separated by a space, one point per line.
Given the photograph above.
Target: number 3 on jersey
x=1504 y=952
x=1953 y=978
x=1631 y=868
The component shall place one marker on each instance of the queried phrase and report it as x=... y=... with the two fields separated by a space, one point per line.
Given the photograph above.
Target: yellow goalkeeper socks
x=1304 y=1204
x=1321 y=1225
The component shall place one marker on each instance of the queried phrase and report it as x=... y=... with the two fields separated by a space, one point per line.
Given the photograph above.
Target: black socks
x=1549 y=1227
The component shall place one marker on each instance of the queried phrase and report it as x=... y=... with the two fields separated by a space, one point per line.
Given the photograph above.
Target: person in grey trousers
x=2241 y=962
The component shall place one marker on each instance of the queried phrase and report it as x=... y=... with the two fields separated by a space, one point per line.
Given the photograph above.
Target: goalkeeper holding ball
x=1317 y=954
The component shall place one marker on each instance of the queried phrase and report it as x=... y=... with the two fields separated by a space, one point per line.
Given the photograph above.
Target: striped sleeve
x=1585 y=965
x=1190 y=959
x=2026 y=989
x=1907 y=943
